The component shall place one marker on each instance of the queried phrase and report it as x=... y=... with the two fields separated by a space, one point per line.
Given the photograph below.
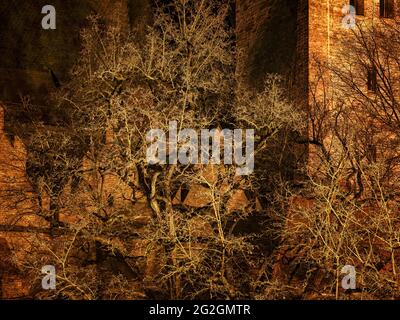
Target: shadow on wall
x=8 y=273
x=28 y=52
x=274 y=49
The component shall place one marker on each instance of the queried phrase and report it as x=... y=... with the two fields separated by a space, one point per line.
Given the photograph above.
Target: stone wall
x=19 y=224
x=286 y=37
x=27 y=52
x=266 y=37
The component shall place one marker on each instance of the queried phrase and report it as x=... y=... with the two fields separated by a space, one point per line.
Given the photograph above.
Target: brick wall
x=266 y=38
x=17 y=215
x=26 y=50
x=327 y=34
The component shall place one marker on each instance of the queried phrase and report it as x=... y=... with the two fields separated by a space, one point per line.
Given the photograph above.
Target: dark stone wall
x=24 y=44
x=27 y=51
x=271 y=38
x=300 y=74
x=266 y=37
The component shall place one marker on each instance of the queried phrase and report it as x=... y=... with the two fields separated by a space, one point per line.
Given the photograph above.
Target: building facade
x=294 y=38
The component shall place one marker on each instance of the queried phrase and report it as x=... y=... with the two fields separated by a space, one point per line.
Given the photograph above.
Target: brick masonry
x=273 y=36
x=266 y=37
x=27 y=51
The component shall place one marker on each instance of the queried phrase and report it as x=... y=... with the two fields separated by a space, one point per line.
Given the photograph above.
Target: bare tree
x=125 y=228
x=348 y=212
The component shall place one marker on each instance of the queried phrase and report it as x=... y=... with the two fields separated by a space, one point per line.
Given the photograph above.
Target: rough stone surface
x=271 y=36
x=27 y=51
